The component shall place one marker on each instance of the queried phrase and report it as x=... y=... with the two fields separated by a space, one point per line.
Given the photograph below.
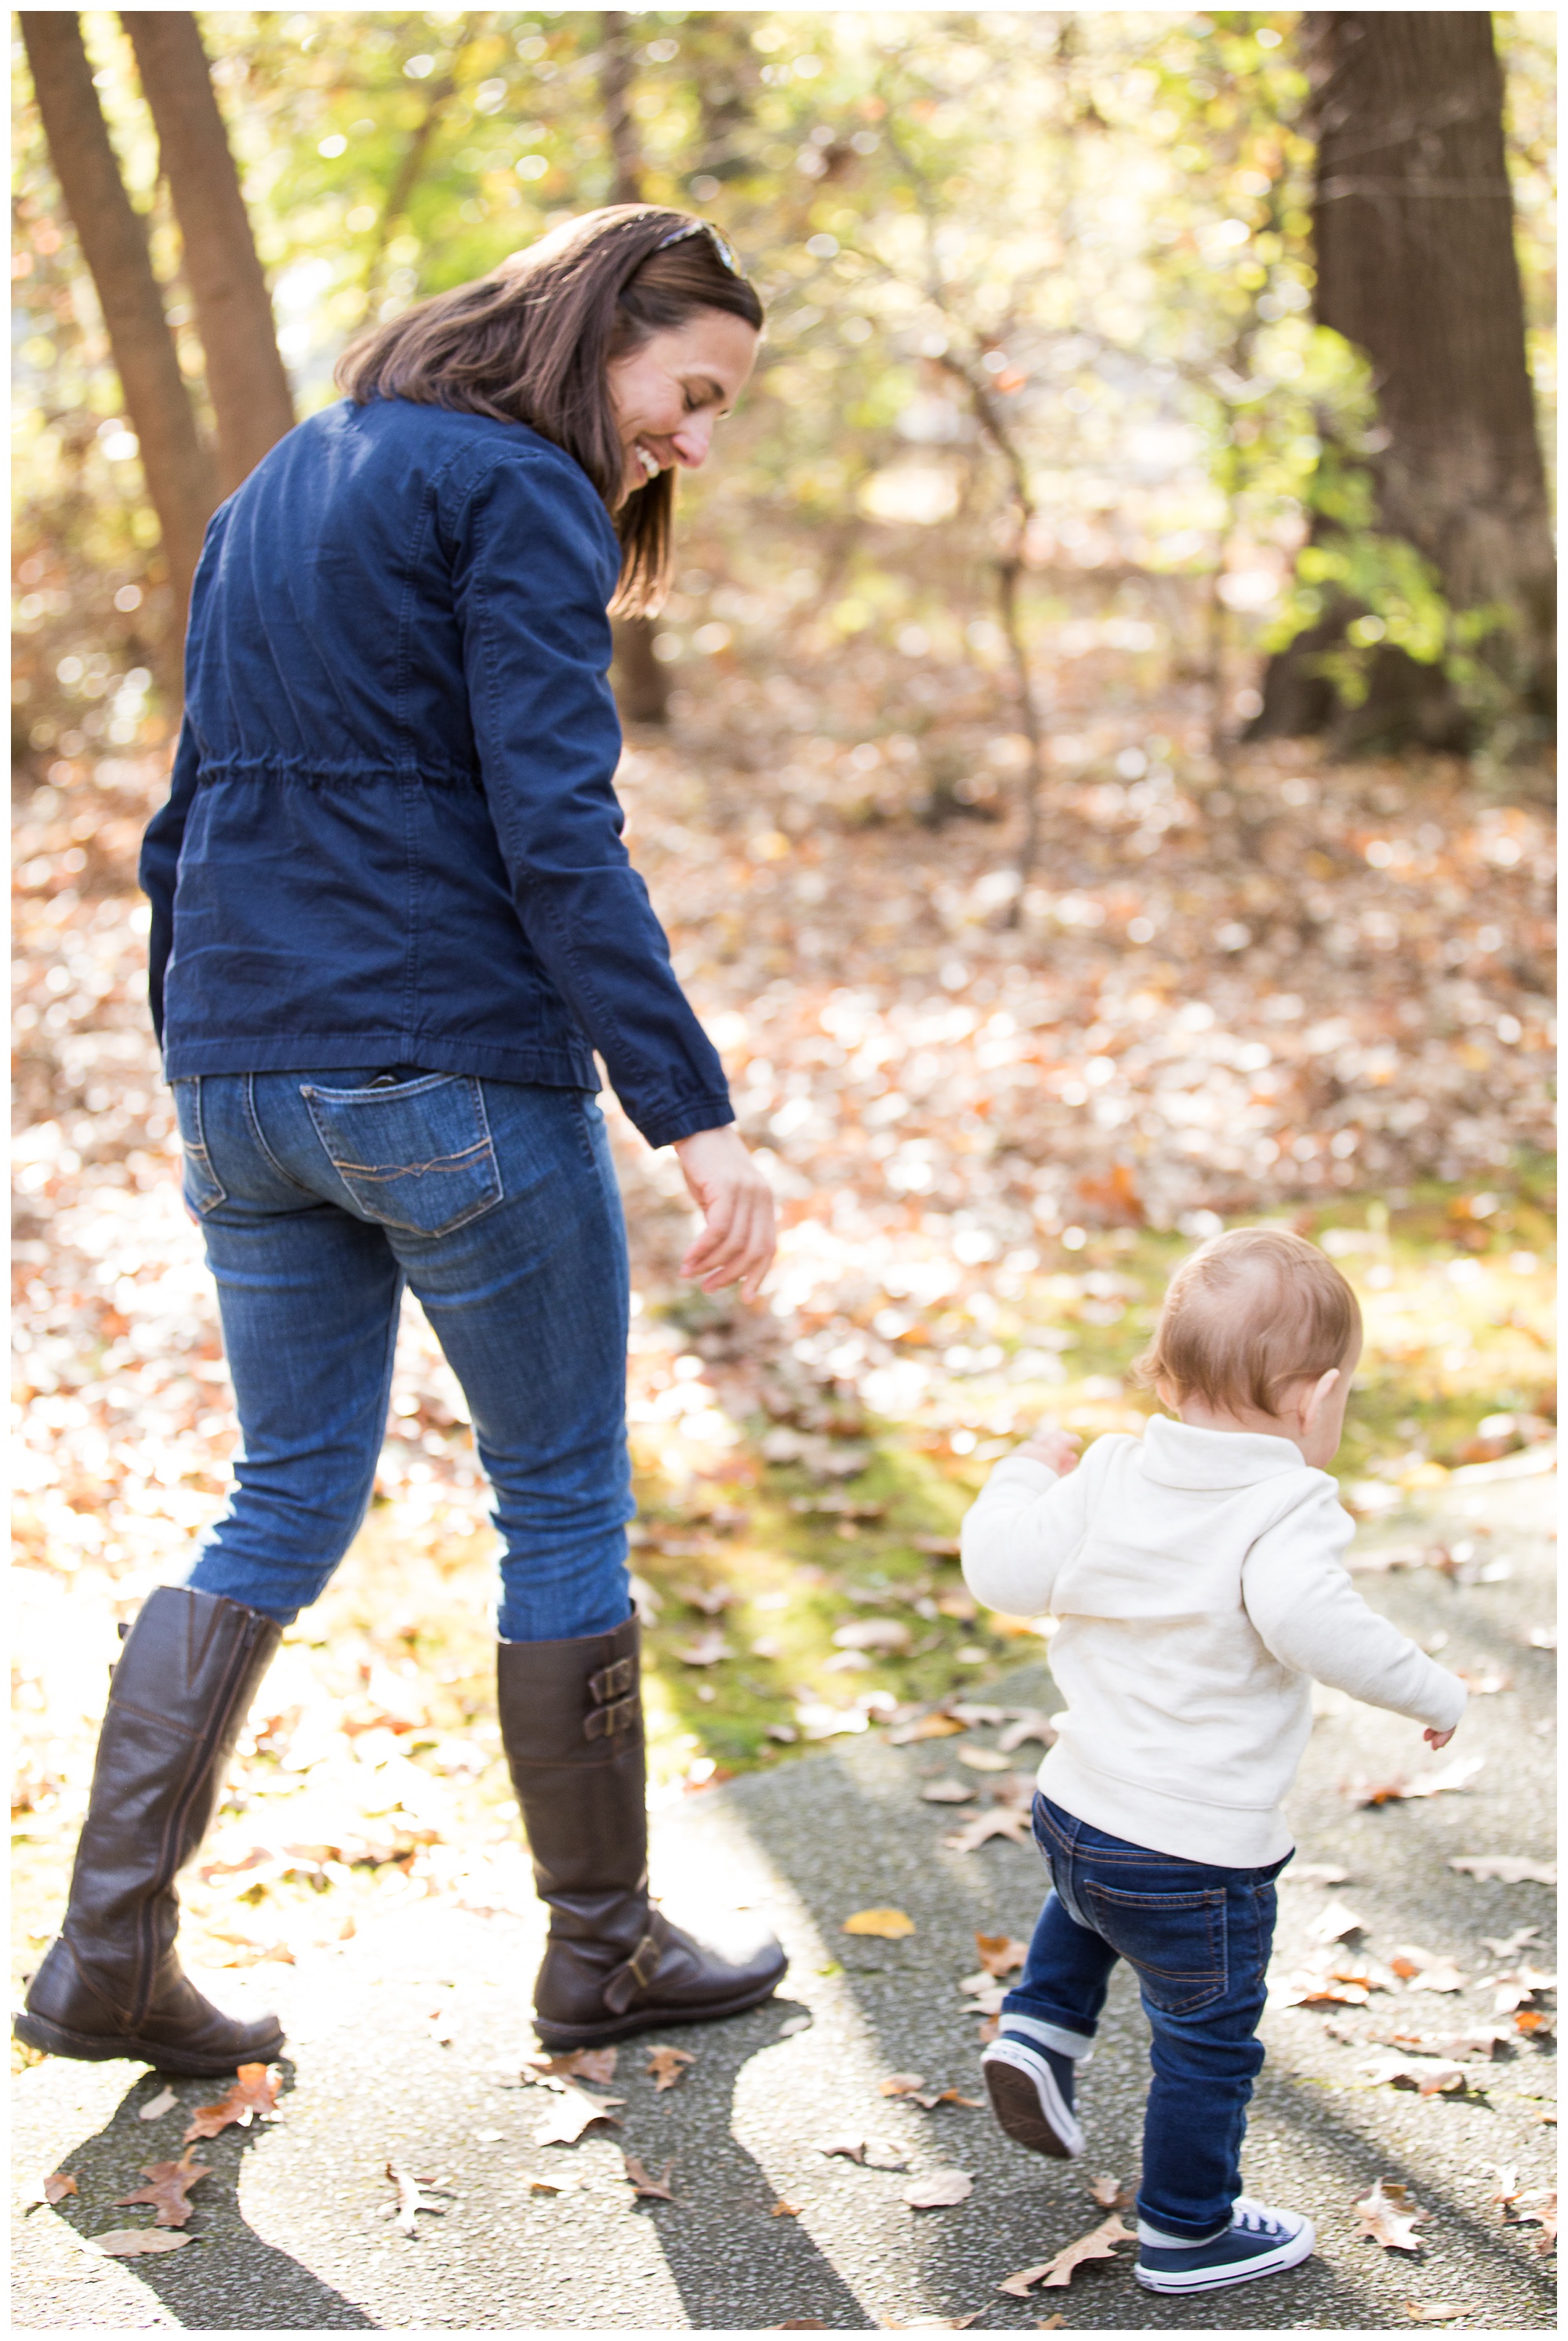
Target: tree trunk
x=642 y=683
x=250 y=392
x=114 y=239
x=1414 y=225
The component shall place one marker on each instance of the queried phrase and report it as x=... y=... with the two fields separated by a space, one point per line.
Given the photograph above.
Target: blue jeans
x=320 y=1197
x=1198 y=1940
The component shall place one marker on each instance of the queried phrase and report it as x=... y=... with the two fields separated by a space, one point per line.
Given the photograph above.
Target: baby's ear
x=1318 y=1396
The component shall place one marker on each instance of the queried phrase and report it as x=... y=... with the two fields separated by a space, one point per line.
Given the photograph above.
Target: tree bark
x=1414 y=227
x=114 y=239
x=252 y=402
x=641 y=682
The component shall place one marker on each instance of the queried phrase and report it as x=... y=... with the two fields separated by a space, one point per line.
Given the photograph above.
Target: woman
x=392 y=921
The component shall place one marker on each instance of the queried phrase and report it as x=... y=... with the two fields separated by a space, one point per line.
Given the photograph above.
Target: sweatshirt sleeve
x=1298 y=1594
x=534 y=564
x=1026 y=1522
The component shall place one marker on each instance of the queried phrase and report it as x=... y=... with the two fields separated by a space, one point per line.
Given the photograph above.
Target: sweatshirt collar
x=1181 y=1455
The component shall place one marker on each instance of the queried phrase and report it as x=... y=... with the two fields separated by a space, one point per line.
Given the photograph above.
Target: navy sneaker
x=1258 y=2242
x=1030 y=2090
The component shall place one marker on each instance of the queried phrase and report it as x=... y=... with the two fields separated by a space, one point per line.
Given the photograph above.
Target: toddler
x=1197 y=1575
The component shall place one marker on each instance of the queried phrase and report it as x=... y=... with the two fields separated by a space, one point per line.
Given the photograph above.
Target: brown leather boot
x=572 y=1722
x=110 y=1984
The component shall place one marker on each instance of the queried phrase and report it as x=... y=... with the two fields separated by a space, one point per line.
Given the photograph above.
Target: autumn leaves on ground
x=994 y=1122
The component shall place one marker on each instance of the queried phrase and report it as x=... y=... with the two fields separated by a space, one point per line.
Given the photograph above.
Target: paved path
x=290 y=2232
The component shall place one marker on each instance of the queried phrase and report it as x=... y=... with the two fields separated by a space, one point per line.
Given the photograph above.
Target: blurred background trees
x=1097 y=330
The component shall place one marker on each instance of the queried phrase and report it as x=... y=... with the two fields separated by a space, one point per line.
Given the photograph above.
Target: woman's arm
x=534 y=565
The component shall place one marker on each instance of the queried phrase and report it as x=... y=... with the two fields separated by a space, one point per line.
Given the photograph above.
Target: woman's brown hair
x=531 y=341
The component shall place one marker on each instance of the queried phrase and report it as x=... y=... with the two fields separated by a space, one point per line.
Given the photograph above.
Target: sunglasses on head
x=703 y=227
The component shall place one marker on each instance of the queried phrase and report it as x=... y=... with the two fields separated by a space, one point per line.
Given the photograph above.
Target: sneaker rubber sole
x=1288 y=2254
x=1030 y=2107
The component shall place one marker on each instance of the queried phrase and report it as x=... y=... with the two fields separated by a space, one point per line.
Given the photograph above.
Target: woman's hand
x=1057 y=1450
x=737 y=1240
x=1439 y=1738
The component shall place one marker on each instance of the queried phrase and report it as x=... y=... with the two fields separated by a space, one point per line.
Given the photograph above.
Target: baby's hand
x=1440 y=1738
x=1057 y=1450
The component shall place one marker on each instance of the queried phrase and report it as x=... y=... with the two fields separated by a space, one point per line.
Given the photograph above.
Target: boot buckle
x=604 y=1722
x=634 y=1975
x=613 y=1681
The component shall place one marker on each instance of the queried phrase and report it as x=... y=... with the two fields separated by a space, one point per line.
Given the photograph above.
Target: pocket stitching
x=481 y=1152
x=1210 y=1984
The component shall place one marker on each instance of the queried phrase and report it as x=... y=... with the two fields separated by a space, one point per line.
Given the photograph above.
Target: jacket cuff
x=710 y=1112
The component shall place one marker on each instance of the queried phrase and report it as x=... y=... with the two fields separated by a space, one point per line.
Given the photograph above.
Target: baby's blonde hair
x=1247 y=1314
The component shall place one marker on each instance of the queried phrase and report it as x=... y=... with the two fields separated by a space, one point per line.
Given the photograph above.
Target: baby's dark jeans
x=1198 y=1939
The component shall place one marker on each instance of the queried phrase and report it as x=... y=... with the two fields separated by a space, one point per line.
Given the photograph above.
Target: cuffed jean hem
x=1020 y=2016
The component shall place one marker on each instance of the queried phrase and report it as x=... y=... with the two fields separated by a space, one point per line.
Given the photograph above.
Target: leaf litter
x=646 y=2188
x=939 y=2190
x=666 y=2067
x=413 y=2195
x=169 y=2185
x=1387 y=2215
x=254 y=2093
x=1099 y=2244
x=157 y=2108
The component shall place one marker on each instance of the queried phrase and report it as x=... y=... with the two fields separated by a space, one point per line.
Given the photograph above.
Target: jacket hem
x=1222 y=1837
x=560 y=1069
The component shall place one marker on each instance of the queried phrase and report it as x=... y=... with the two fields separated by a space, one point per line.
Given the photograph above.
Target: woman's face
x=669 y=392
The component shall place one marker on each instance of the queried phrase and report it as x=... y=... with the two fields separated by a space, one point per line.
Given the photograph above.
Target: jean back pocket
x=203 y=1189
x=415 y=1155
x=1174 y=1942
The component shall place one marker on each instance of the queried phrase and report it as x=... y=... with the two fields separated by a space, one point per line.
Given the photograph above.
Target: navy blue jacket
x=393 y=835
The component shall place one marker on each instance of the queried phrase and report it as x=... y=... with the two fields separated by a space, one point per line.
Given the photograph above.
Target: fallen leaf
x=969 y=1710
x=1507 y=1868
x=1535 y=2023
x=127 y=2243
x=874 y=2153
x=568 y=2114
x=1111 y=2194
x=983 y=1759
x=1099 y=2244
x=782 y=2210
x=54 y=2189
x=948 y=1792
x=939 y=2191
x=411 y=2197
x=1388 y=2214
x=711 y=1600
x=1322 y=1991
x=989 y=2029
x=1002 y=1820
x=648 y=2189
x=889 y=1636
x=596 y=2065
x=1481 y=2040
x=924 y=1727
x=570 y=2183
x=1430 y=2075
x=253 y=2093
x=707 y=1651
x=1335 y=1922
x=1454 y=1776
x=1421 y=1970
x=793 y=2025
x=1436 y=2312
x=1001 y=1954
x=170 y=2184
x=901 y=2085
x=1032 y=1726
x=939 y=1547
x=889 y=1925
x=1050 y=2324
x=1511 y=1990
x=1508 y=1947
x=1525 y=2212
x=665 y=2067
x=165 y=2100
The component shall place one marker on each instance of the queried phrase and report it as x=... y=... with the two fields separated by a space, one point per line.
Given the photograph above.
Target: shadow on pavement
x=227 y=2279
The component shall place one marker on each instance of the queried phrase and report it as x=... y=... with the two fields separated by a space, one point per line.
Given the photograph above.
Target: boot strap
x=613 y=1681
x=634 y=1976
x=603 y=1722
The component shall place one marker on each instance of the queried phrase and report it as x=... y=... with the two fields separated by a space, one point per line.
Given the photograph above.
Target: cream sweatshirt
x=1199 y=1582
